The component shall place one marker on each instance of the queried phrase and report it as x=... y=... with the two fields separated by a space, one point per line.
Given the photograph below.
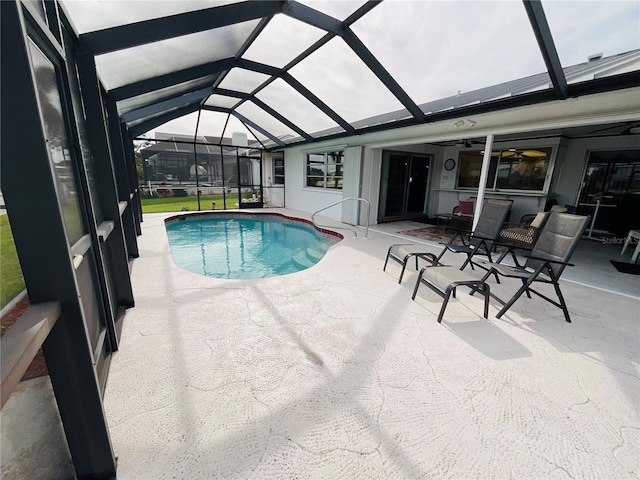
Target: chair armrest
x=528 y=218
x=533 y=257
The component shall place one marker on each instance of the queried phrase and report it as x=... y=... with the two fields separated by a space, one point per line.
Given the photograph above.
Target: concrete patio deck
x=334 y=372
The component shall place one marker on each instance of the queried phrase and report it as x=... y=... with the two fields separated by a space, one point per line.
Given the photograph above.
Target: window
x=512 y=169
x=278 y=171
x=325 y=170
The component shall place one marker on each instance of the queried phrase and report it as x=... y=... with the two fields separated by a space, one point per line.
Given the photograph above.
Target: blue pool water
x=245 y=246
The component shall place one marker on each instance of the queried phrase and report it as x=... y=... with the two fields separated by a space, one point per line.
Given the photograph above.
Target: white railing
x=355 y=233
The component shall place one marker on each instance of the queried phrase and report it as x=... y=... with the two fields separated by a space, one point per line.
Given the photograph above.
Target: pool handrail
x=355 y=233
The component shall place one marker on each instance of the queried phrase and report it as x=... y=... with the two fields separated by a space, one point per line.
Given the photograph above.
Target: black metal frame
x=48 y=265
x=162 y=110
x=238 y=187
x=484 y=246
x=426 y=256
x=476 y=244
x=534 y=276
x=475 y=285
x=46 y=258
x=545 y=266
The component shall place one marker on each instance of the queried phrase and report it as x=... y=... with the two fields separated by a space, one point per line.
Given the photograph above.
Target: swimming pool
x=246 y=245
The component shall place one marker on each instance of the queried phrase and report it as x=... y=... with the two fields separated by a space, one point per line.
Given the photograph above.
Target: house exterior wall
x=576 y=155
x=310 y=199
x=362 y=179
x=373 y=163
x=563 y=180
x=273 y=194
x=442 y=194
x=569 y=159
x=447 y=195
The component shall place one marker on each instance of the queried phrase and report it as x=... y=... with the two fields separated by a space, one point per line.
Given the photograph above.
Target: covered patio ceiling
x=288 y=72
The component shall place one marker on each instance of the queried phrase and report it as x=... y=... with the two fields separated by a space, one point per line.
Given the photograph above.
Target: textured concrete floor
x=334 y=372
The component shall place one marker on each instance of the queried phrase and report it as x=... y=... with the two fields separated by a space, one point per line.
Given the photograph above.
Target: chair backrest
x=490 y=222
x=558 y=240
x=558 y=208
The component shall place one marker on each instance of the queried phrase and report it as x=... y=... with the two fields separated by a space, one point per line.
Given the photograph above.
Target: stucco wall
x=447 y=196
x=373 y=168
x=309 y=199
x=569 y=178
x=568 y=164
x=273 y=194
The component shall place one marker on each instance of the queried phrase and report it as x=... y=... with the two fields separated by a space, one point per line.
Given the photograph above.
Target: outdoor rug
x=624 y=267
x=433 y=234
x=438 y=235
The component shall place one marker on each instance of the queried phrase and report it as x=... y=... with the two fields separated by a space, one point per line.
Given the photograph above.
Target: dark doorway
x=418 y=182
x=403 y=186
x=612 y=184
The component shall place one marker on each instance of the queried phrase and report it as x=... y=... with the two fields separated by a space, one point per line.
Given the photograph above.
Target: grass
x=176 y=204
x=11 y=281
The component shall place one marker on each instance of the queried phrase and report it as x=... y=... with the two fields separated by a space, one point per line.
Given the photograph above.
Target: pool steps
x=309 y=256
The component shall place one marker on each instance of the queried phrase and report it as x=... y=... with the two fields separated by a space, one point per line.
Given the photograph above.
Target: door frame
x=382 y=194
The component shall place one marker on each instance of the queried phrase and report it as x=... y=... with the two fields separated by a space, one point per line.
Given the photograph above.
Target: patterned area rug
x=439 y=235
x=432 y=234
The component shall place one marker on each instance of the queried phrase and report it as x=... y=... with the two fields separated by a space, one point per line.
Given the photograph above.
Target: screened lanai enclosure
x=105 y=103
x=176 y=167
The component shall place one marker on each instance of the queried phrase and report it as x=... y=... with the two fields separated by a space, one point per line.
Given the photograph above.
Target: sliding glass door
x=404 y=184
x=612 y=183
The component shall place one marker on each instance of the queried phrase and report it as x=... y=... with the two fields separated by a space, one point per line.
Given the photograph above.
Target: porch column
x=484 y=173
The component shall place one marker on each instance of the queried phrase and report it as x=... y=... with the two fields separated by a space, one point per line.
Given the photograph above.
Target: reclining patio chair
x=546 y=262
x=481 y=240
x=521 y=236
x=402 y=252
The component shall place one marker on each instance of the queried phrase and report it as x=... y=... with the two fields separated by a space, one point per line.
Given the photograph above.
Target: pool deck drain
x=333 y=372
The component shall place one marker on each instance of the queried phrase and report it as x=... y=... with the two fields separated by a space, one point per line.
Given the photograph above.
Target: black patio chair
x=546 y=262
x=402 y=252
x=521 y=236
x=481 y=240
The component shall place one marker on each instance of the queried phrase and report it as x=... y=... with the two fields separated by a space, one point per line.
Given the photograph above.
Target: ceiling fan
x=522 y=154
x=469 y=143
x=459 y=143
x=464 y=143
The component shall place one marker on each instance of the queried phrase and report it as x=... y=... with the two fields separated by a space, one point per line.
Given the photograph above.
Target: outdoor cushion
x=558 y=209
x=466 y=207
x=539 y=220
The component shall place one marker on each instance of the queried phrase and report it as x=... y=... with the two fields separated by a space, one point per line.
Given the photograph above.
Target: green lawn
x=176 y=204
x=11 y=281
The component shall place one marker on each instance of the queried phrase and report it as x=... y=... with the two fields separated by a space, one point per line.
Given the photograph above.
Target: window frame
x=328 y=159
x=494 y=169
x=278 y=178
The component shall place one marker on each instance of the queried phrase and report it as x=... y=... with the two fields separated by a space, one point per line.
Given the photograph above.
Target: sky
x=433 y=49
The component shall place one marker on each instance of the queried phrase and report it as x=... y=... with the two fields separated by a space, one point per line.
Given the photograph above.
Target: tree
x=138 y=146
